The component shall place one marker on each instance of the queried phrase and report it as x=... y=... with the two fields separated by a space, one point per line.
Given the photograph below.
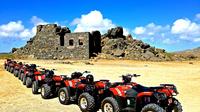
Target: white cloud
x=152 y=33
x=16 y=29
x=26 y=33
x=181 y=29
x=12 y=29
x=139 y=30
x=168 y=41
x=198 y=16
x=94 y=21
x=186 y=29
x=126 y=31
x=38 y=21
x=197 y=39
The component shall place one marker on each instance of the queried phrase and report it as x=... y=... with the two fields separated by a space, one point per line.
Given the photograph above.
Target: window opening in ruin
x=61 y=41
x=80 y=41
x=71 y=42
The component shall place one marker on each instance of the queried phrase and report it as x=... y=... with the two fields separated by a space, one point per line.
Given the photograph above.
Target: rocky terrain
x=191 y=54
x=113 y=45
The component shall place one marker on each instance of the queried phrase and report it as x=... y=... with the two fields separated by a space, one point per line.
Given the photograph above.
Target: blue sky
x=170 y=24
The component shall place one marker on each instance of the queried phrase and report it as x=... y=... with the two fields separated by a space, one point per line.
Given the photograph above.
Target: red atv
x=11 y=66
x=40 y=79
x=17 y=68
x=29 y=76
x=85 y=91
x=23 y=70
x=52 y=84
x=131 y=96
x=6 y=63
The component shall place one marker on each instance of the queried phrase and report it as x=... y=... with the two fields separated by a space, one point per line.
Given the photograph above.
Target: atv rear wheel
x=35 y=87
x=86 y=102
x=28 y=82
x=64 y=95
x=19 y=76
x=152 y=108
x=11 y=69
x=109 y=104
x=177 y=107
x=23 y=79
x=7 y=67
x=45 y=91
x=16 y=73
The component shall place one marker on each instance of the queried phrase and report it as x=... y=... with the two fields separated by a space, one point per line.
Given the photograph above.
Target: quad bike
x=29 y=77
x=130 y=96
x=6 y=63
x=23 y=70
x=53 y=84
x=11 y=66
x=17 y=67
x=84 y=91
x=40 y=79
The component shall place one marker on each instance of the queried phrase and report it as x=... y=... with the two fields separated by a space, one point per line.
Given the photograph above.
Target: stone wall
x=76 y=45
x=53 y=42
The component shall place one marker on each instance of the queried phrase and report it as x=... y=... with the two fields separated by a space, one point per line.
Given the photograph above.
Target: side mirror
x=53 y=69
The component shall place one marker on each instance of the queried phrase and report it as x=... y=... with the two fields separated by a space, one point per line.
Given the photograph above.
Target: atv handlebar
x=131 y=75
x=86 y=72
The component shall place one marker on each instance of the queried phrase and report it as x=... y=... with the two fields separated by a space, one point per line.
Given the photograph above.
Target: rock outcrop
x=115 y=44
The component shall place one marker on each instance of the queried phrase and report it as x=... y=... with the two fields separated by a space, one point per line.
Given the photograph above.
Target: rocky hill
x=191 y=54
x=113 y=45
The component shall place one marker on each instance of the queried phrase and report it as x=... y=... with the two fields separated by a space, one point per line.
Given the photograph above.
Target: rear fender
x=81 y=86
x=39 y=77
x=117 y=92
x=144 y=94
x=72 y=83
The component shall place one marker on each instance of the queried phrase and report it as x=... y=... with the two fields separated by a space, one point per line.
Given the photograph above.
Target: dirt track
x=14 y=97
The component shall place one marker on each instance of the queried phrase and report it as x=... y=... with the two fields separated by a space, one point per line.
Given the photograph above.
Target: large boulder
x=115 y=33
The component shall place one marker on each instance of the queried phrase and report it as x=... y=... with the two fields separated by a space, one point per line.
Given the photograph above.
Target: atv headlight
x=174 y=94
x=128 y=102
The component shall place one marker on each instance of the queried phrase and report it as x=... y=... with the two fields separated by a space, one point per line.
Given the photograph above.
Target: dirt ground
x=14 y=97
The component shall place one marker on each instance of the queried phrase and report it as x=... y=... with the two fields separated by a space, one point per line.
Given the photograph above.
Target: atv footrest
x=129 y=109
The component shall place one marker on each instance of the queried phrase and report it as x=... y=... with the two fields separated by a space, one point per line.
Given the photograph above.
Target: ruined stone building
x=53 y=42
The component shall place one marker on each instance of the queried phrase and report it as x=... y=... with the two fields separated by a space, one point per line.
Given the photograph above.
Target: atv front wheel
x=35 y=87
x=45 y=91
x=86 y=102
x=109 y=104
x=64 y=95
x=176 y=107
x=28 y=82
x=152 y=108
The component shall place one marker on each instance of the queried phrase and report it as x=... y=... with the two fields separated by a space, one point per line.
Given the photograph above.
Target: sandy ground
x=14 y=97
